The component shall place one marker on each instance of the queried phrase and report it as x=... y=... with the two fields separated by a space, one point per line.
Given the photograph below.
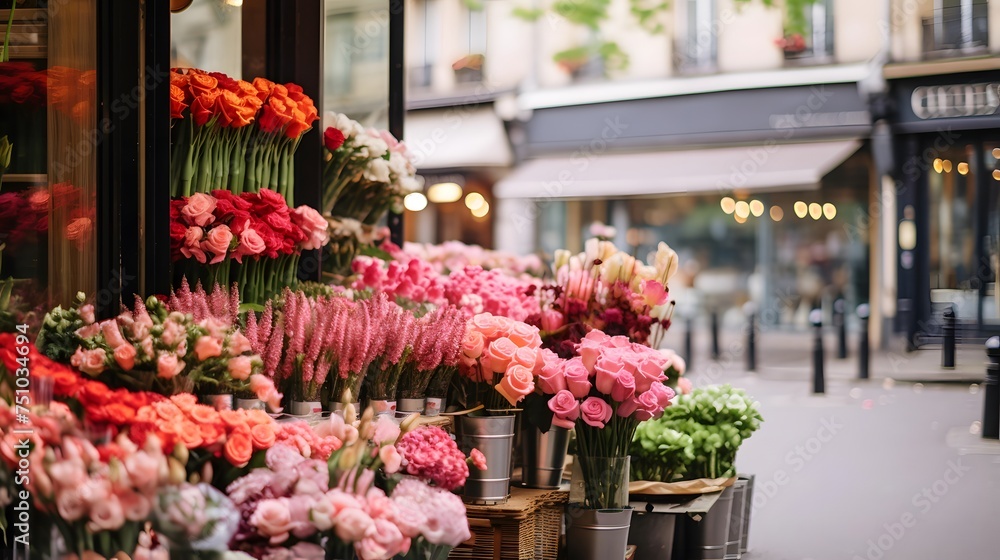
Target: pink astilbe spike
x=362 y=342
x=234 y=302
x=275 y=344
x=251 y=330
x=456 y=334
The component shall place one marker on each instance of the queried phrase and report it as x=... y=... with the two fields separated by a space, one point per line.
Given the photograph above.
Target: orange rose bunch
x=216 y=146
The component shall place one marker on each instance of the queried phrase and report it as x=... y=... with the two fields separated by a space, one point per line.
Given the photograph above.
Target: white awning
x=768 y=167
x=457 y=137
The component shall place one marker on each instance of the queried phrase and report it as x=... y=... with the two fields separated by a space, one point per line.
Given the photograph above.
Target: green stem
x=5 y=55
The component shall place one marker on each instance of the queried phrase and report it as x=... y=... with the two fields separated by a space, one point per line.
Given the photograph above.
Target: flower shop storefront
x=214 y=344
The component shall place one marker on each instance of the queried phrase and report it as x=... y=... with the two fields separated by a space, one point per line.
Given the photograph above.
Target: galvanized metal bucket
x=306 y=408
x=597 y=534
x=383 y=407
x=494 y=437
x=736 y=521
x=712 y=533
x=434 y=406
x=747 y=509
x=543 y=456
x=250 y=404
x=653 y=535
x=218 y=402
x=410 y=405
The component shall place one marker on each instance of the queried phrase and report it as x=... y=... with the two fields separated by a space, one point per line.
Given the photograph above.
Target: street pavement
x=883 y=469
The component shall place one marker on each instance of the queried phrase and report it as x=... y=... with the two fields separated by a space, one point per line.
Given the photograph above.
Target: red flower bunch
x=23 y=214
x=102 y=405
x=21 y=84
x=432 y=455
x=211 y=228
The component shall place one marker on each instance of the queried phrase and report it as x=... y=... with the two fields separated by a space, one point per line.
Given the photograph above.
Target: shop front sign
x=960 y=100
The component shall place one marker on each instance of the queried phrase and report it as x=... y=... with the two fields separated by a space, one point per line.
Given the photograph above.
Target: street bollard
x=863 y=343
x=840 y=321
x=689 y=341
x=819 y=385
x=751 y=314
x=991 y=390
x=948 y=350
x=715 y=335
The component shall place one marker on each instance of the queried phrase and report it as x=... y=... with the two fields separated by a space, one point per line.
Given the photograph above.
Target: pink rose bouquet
x=434 y=518
x=500 y=357
x=604 y=393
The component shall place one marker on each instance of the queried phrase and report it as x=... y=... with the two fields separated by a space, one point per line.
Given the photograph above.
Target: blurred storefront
x=947 y=171
x=758 y=189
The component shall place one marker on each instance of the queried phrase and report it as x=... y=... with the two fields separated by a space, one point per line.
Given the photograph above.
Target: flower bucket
x=597 y=534
x=410 y=405
x=434 y=406
x=250 y=404
x=543 y=456
x=712 y=533
x=747 y=508
x=653 y=535
x=218 y=402
x=338 y=408
x=383 y=407
x=736 y=520
x=305 y=408
x=494 y=437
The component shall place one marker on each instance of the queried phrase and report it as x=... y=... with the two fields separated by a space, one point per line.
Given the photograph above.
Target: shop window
x=48 y=163
x=207 y=34
x=952 y=185
x=697 y=48
x=356 y=55
x=812 y=42
x=957 y=25
x=427 y=24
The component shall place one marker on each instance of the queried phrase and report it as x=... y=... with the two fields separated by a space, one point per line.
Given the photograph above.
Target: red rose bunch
x=21 y=84
x=23 y=214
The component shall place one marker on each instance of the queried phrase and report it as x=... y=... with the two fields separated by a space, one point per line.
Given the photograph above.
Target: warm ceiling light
x=415 y=202
x=728 y=204
x=801 y=209
x=482 y=211
x=996 y=153
x=963 y=168
x=830 y=211
x=742 y=209
x=946 y=164
x=740 y=219
x=996 y=174
x=443 y=193
x=777 y=213
x=938 y=165
x=474 y=200
x=816 y=211
x=756 y=208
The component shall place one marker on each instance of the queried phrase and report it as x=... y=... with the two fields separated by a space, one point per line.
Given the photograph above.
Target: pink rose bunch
x=169 y=346
x=491 y=291
x=504 y=353
x=455 y=255
x=211 y=228
x=430 y=514
x=372 y=522
x=611 y=381
x=408 y=278
x=429 y=453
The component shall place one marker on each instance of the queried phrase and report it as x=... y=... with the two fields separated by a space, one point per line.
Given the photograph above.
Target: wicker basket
x=527 y=527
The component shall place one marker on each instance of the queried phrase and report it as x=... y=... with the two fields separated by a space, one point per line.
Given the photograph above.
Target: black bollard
x=863 y=343
x=991 y=390
x=819 y=384
x=689 y=341
x=715 y=335
x=840 y=321
x=948 y=350
x=751 y=314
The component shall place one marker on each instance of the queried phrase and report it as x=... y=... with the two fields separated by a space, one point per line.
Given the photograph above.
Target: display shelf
x=34 y=178
x=29 y=38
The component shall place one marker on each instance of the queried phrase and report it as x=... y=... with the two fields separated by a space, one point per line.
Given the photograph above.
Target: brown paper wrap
x=696 y=486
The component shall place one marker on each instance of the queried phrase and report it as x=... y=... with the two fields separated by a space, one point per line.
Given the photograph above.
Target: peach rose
x=239 y=447
x=273 y=519
x=486 y=324
x=207 y=347
x=501 y=352
x=525 y=335
x=125 y=356
x=217 y=242
x=262 y=436
x=472 y=344
x=89 y=361
x=199 y=208
x=526 y=357
x=240 y=368
x=516 y=384
x=168 y=366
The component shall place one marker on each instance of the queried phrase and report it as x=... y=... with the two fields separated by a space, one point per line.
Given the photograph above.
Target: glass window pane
x=208 y=35
x=356 y=75
x=952 y=230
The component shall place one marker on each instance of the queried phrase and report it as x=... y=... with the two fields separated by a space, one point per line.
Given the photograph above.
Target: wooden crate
x=527 y=527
